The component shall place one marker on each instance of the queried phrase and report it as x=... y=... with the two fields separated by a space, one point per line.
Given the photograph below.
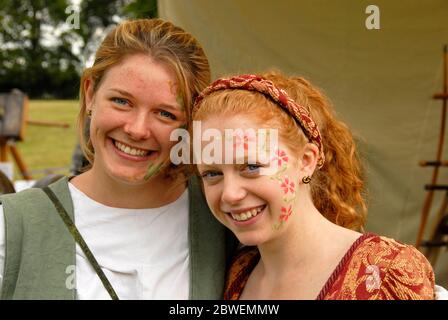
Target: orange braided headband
x=252 y=82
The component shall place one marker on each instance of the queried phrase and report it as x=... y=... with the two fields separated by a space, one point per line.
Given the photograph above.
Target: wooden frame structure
x=13 y=114
x=439 y=231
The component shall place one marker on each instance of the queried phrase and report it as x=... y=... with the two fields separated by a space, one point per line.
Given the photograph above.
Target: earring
x=89 y=112
x=306 y=179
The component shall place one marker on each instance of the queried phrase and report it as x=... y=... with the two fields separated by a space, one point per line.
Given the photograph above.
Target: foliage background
x=42 y=52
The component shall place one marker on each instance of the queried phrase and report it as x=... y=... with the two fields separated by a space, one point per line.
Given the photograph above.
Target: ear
x=308 y=159
x=88 y=93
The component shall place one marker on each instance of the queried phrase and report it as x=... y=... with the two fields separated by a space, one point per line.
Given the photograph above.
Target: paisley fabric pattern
x=374 y=268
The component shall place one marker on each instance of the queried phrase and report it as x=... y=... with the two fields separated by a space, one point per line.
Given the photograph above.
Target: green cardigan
x=39 y=247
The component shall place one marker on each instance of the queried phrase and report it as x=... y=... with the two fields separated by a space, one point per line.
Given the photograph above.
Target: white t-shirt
x=143 y=252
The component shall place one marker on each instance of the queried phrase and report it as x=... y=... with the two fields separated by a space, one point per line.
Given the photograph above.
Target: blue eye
x=210 y=174
x=120 y=101
x=167 y=114
x=252 y=168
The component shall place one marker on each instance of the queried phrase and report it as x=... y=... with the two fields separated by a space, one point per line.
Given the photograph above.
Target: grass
x=48 y=147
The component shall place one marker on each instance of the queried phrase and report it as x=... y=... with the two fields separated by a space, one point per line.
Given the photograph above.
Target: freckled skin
x=136 y=122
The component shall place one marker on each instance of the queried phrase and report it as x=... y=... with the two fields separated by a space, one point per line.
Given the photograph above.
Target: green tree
x=99 y=15
x=38 y=47
x=26 y=62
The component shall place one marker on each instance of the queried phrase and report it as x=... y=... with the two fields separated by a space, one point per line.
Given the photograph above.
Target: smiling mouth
x=247 y=215
x=132 y=151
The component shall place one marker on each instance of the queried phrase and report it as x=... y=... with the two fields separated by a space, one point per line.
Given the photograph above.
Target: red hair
x=337 y=189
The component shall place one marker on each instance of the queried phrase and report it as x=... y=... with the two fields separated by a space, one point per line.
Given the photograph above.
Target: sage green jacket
x=39 y=247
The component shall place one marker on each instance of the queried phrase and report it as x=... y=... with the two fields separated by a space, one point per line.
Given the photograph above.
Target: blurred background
x=380 y=62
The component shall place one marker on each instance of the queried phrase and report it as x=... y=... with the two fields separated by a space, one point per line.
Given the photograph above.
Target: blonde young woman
x=301 y=222
x=131 y=226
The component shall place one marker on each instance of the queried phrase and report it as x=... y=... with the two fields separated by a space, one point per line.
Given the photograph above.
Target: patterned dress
x=374 y=267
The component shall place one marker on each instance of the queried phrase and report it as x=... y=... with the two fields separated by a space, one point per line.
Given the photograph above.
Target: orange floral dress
x=375 y=267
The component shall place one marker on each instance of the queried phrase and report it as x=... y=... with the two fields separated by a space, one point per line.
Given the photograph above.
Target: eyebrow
x=125 y=93
x=129 y=95
x=245 y=160
x=206 y=167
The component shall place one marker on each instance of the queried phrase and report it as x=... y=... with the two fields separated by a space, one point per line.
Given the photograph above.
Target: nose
x=138 y=127
x=233 y=191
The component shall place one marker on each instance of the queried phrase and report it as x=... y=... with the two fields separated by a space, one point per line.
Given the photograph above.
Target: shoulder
x=59 y=186
x=26 y=201
x=394 y=270
x=32 y=204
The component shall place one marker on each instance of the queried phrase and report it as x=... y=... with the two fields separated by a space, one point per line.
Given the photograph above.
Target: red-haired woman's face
x=134 y=109
x=257 y=204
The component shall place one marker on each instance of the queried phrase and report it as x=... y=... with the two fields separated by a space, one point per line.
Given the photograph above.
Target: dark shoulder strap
x=79 y=240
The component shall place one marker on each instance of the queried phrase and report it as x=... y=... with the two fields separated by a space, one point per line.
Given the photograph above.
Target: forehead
x=237 y=121
x=241 y=130
x=140 y=75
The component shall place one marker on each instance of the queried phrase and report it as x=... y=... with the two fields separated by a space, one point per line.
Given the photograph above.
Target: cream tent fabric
x=380 y=81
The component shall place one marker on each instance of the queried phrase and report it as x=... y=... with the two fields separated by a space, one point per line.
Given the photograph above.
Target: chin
x=129 y=178
x=249 y=240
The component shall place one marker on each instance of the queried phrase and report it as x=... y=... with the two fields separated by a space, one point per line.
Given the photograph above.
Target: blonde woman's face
x=134 y=111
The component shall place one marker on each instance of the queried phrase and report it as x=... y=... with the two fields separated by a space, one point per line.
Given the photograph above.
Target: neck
x=156 y=192
x=307 y=239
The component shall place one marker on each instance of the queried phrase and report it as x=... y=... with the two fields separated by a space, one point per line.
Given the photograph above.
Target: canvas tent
x=380 y=80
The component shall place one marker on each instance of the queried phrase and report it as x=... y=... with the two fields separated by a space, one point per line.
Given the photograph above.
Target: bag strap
x=80 y=241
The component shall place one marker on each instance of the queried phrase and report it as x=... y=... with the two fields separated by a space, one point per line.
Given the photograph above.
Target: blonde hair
x=337 y=189
x=165 y=43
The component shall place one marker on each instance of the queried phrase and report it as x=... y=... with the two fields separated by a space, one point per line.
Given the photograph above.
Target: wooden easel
x=13 y=128
x=440 y=229
x=10 y=147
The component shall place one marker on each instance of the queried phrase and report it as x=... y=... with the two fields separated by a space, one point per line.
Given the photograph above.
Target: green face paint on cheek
x=180 y=102
x=153 y=169
x=179 y=98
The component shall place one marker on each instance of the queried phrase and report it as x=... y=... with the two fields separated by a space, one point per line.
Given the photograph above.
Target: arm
x=441 y=293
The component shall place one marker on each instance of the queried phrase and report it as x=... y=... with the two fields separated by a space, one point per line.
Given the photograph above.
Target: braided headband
x=252 y=82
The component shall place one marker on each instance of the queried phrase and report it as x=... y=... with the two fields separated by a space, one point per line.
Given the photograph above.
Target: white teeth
x=247 y=215
x=129 y=150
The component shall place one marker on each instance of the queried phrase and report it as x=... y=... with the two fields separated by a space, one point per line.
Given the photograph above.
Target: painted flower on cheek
x=287 y=186
x=284 y=216
x=286 y=212
x=280 y=156
x=243 y=139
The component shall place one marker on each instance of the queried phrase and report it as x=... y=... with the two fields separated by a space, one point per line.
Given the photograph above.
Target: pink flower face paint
x=286 y=184
x=281 y=157
x=244 y=138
